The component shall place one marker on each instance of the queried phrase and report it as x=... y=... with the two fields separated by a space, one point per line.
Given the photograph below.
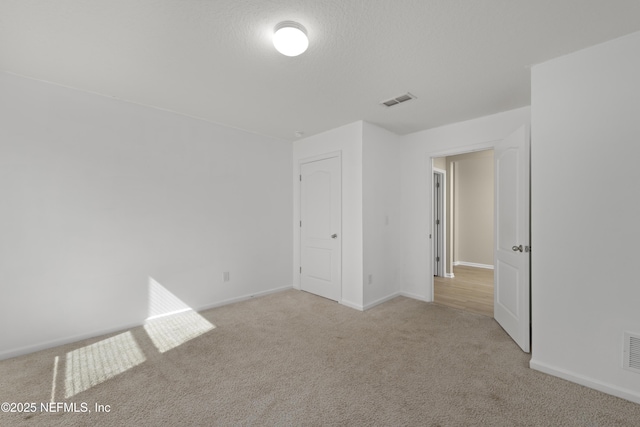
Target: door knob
x=334 y=236
x=517 y=248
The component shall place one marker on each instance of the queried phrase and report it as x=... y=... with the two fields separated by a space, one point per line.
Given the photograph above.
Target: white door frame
x=443 y=225
x=297 y=220
x=445 y=153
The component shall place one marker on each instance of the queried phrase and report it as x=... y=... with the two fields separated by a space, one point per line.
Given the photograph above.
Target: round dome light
x=290 y=38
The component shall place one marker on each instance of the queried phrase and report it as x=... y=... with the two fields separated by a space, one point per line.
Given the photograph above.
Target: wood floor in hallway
x=471 y=290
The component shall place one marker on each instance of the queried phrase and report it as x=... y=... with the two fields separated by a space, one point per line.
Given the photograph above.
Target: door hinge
x=300 y=177
x=437 y=185
x=527 y=248
x=437 y=259
x=300 y=270
x=437 y=222
x=300 y=223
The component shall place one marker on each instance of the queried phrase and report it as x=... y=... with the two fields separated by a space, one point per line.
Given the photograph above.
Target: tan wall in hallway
x=470 y=208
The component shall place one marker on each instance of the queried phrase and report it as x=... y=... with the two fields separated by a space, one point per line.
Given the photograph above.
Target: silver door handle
x=517 y=248
x=334 y=236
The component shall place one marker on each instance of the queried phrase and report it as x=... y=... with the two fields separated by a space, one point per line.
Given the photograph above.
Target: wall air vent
x=631 y=353
x=398 y=100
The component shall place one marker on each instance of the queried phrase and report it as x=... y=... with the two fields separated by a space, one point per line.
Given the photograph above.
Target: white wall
x=585 y=225
x=381 y=214
x=348 y=140
x=418 y=148
x=100 y=195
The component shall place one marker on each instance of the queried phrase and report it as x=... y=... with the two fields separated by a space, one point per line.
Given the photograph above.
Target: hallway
x=471 y=290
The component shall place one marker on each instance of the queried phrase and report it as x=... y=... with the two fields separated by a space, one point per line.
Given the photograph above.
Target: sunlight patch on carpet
x=171 y=331
x=91 y=365
x=55 y=377
x=171 y=321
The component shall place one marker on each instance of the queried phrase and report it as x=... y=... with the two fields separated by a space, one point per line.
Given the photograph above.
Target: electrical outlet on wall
x=225 y=276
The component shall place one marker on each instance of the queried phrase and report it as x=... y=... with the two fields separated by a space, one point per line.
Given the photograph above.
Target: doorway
x=511 y=233
x=463 y=224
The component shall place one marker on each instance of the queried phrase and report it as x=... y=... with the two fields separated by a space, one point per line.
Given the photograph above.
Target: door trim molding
x=319 y=157
x=444 y=200
x=482 y=146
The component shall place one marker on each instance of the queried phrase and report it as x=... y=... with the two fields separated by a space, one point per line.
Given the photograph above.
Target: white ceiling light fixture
x=290 y=38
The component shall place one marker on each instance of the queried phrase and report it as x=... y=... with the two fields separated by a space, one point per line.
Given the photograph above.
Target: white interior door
x=320 y=228
x=512 y=251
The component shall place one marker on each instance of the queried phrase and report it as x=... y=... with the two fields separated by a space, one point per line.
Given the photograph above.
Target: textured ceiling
x=214 y=59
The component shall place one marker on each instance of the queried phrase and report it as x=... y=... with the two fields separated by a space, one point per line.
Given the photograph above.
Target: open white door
x=511 y=240
x=320 y=228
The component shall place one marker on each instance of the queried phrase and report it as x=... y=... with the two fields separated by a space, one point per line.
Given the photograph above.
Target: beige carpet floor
x=294 y=359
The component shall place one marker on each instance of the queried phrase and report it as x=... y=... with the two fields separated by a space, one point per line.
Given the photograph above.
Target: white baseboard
x=7 y=354
x=351 y=305
x=242 y=298
x=611 y=389
x=384 y=299
x=449 y=275
x=473 y=264
x=381 y=300
x=414 y=296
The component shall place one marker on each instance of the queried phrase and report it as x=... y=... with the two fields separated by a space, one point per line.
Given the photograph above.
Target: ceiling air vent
x=398 y=100
x=632 y=352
